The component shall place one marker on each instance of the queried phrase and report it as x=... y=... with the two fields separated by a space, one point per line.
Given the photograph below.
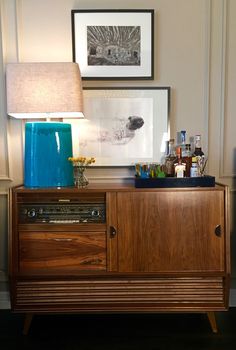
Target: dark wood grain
x=112 y=240
x=170 y=231
x=121 y=294
x=164 y=255
x=40 y=251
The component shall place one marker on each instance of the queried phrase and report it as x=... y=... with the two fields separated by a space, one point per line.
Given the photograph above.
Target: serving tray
x=203 y=181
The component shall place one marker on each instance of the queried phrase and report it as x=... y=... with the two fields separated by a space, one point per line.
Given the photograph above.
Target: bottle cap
x=178 y=151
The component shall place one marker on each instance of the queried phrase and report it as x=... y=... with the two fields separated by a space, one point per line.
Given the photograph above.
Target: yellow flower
x=81 y=161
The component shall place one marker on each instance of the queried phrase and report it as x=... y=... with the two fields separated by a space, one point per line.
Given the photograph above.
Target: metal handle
x=112 y=231
x=62 y=239
x=91 y=262
x=218 y=230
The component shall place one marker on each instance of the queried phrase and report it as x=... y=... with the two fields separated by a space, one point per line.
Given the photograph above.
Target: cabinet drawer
x=46 y=252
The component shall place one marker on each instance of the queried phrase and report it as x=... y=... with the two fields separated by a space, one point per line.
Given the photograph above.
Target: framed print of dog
x=124 y=125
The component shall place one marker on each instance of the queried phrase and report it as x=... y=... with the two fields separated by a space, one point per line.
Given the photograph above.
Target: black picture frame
x=114 y=44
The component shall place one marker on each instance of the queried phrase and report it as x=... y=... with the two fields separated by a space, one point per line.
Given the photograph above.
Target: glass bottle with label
x=180 y=166
x=194 y=168
x=164 y=154
x=171 y=159
x=182 y=140
x=200 y=157
x=187 y=158
x=183 y=136
x=198 y=147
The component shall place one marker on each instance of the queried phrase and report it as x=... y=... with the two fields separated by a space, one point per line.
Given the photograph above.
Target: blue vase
x=47 y=148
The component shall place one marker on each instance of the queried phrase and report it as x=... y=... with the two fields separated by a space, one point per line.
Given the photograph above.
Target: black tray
x=204 y=181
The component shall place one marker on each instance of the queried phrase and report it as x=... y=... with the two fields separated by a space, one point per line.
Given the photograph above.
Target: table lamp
x=45 y=91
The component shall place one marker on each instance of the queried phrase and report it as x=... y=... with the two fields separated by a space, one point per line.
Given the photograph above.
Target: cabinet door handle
x=112 y=231
x=218 y=230
x=62 y=239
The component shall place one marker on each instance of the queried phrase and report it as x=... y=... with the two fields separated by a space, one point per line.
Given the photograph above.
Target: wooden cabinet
x=156 y=250
x=171 y=231
x=48 y=251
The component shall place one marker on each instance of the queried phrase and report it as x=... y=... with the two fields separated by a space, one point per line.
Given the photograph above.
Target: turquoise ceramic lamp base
x=47 y=148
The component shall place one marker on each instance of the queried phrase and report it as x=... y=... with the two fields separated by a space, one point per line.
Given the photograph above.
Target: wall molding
x=3 y=192
x=3 y=276
x=224 y=59
x=232 y=298
x=4 y=197
x=10 y=129
x=5 y=178
x=206 y=83
x=4 y=300
x=4 y=160
x=4 y=294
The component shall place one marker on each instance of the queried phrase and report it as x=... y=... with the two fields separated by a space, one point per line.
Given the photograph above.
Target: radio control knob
x=31 y=213
x=95 y=213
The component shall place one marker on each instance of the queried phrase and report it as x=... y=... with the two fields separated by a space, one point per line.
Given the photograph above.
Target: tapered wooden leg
x=27 y=323
x=212 y=320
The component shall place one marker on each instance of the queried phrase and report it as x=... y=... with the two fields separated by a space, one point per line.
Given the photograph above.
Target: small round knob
x=31 y=213
x=95 y=212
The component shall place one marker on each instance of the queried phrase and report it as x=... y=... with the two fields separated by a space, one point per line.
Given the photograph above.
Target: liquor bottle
x=187 y=158
x=165 y=153
x=180 y=166
x=194 y=168
x=182 y=139
x=170 y=159
x=198 y=147
x=183 y=136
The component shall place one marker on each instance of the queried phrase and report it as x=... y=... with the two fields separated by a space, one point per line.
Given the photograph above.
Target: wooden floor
x=133 y=332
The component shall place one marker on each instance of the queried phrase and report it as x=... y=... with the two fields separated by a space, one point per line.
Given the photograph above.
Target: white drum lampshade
x=44 y=90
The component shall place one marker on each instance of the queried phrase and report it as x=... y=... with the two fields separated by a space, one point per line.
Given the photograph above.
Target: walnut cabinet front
x=170 y=231
x=158 y=250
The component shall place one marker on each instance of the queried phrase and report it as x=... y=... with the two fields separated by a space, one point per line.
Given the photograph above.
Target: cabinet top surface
x=113 y=187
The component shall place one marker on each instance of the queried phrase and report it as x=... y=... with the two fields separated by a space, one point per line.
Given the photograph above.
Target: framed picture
x=125 y=125
x=113 y=44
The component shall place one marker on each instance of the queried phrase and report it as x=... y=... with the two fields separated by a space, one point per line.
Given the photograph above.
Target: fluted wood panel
x=121 y=294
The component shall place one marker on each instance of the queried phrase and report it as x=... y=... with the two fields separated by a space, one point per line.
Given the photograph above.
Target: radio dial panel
x=62 y=213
